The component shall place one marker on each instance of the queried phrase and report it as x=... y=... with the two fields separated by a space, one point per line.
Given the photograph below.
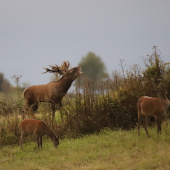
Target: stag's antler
x=54 y=69
x=64 y=67
x=62 y=70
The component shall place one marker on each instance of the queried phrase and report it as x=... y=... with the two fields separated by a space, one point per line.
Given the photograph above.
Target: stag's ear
x=155 y=91
x=80 y=72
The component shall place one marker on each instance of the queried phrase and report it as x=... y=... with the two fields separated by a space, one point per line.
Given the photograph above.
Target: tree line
x=4 y=84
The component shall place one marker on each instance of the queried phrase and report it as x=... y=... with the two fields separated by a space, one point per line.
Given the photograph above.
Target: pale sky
x=38 y=33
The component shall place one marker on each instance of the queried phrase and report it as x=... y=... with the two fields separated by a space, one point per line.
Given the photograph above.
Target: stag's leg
x=61 y=115
x=23 y=114
x=34 y=108
x=29 y=109
x=146 y=124
x=53 y=110
x=25 y=110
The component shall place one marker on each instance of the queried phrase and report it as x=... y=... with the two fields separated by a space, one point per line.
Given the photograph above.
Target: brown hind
x=152 y=107
x=39 y=128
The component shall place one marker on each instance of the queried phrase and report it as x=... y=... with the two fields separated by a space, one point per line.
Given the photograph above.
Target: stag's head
x=73 y=73
x=64 y=70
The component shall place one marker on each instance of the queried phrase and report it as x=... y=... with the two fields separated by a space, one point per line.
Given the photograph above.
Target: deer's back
x=32 y=126
x=150 y=106
x=45 y=92
x=37 y=91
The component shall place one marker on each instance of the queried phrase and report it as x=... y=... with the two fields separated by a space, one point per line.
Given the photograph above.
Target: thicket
x=94 y=106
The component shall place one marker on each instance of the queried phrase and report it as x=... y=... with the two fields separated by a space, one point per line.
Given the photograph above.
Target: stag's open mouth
x=80 y=72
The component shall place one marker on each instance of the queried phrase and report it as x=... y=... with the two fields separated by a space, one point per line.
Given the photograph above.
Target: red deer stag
x=52 y=92
x=152 y=107
x=39 y=129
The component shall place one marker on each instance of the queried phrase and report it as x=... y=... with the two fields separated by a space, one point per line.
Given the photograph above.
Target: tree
x=93 y=67
x=1 y=80
x=4 y=84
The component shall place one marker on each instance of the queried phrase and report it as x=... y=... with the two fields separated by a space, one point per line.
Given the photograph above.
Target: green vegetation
x=107 y=150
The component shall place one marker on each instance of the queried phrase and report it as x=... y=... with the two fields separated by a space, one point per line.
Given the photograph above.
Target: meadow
x=97 y=125
x=119 y=150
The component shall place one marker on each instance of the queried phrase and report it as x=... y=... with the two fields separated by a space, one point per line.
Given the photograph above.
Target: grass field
x=110 y=150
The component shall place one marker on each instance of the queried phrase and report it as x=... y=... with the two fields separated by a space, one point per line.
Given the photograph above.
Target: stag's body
x=52 y=92
x=39 y=128
x=152 y=107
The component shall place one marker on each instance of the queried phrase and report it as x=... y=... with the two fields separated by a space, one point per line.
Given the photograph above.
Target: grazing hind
x=39 y=128
x=152 y=107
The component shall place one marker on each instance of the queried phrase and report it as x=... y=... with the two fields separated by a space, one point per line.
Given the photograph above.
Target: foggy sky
x=38 y=33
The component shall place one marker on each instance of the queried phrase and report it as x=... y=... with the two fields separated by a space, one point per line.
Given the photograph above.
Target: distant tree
x=5 y=86
x=1 y=80
x=93 y=67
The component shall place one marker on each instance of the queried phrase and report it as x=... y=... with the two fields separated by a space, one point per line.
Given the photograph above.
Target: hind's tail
x=139 y=105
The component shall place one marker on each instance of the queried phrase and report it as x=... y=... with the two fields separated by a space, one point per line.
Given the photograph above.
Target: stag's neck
x=66 y=83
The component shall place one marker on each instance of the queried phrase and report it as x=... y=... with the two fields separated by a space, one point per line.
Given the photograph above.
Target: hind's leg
x=158 y=122
x=146 y=125
x=139 y=121
x=40 y=141
x=23 y=135
x=37 y=140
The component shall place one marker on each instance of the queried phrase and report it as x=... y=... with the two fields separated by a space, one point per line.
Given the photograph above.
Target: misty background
x=38 y=33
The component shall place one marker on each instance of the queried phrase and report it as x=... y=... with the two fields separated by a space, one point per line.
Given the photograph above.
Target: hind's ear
x=57 y=136
x=165 y=92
